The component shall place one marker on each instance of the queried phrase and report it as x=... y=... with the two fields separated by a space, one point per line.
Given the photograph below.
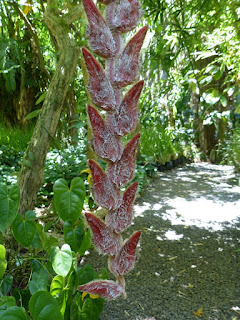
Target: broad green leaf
x=57 y=285
x=9 y=202
x=32 y=114
x=39 y=281
x=74 y=236
x=14 y=313
x=92 y=309
x=69 y=202
x=43 y=306
x=61 y=259
x=3 y=261
x=24 y=230
x=86 y=274
x=6 y=302
x=6 y=284
x=86 y=243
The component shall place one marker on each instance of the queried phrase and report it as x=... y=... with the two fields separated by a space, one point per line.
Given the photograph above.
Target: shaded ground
x=188 y=260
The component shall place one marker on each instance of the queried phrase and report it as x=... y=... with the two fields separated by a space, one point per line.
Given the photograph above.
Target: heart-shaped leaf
x=24 y=230
x=39 y=281
x=69 y=202
x=43 y=306
x=57 y=285
x=14 y=313
x=6 y=302
x=74 y=236
x=61 y=259
x=9 y=203
x=6 y=284
x=3 y=261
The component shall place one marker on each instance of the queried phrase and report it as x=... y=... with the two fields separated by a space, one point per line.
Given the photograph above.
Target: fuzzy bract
x=106 y=194
x=106 y=289
x=128 y=65
x=99 y=86
x=122 y=171
x=98 y=32
x=105 y=241
x=121 y=218
x=125 y=260
x=106 y=143
x=126 y=15
x=125 y=117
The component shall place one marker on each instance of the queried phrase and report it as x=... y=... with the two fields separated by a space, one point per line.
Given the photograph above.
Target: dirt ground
x=189 y=261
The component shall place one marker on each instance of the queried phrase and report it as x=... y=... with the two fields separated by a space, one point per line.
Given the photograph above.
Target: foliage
x=229 y=150
x=189 y=66
x=37 y=276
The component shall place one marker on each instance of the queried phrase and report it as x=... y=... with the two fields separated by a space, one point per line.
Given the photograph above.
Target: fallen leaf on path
x=199 y=312
x=172 y=258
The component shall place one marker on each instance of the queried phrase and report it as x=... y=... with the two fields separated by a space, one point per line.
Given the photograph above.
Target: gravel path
x=190 y=218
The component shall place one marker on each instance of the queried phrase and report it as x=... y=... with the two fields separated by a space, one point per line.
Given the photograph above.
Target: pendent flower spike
x=113 y=116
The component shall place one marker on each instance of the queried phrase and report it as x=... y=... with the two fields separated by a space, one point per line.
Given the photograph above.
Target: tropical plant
x=121 y=118
x=39 y=270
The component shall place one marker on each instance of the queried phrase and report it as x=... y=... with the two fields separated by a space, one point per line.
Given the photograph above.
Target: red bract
x=124 y=119
x=106 y=289
x=99 y=34
x=99 y=87
x=105 y=143
x=105 y=241
x=106 y=194
x=122 y=171
x=125 y=260
x=128 y=65
x=126 y=16
x=121 y=218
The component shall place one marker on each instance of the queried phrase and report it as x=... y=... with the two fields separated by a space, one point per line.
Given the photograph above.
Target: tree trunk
x=31 y=177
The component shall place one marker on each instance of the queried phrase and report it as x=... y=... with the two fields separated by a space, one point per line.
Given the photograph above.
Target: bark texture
x=32 y=173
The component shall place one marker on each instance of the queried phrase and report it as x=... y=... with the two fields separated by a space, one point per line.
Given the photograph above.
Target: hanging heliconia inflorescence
x=121 y=116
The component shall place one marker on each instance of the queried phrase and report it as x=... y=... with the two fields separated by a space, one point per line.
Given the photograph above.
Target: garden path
x=189 y=263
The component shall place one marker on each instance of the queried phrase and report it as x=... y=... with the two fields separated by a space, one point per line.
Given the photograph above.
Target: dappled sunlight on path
x=198 y=194
x=189 y=258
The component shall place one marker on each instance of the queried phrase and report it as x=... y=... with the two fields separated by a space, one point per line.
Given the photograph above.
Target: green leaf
x=6 y=302
x=32 y=114
x=61 y=259
x=3 y=261
x=6 y=284
x=43 y=306
x=14 y=313
x=9 y=203
x=24 y=230
x=86 y=243
x=69 y=202
x=223 y=101
x=86 y=274
x=57 y=285
x=74 y=236
x=41 y=98
x=39 y=281
x=92 y=309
